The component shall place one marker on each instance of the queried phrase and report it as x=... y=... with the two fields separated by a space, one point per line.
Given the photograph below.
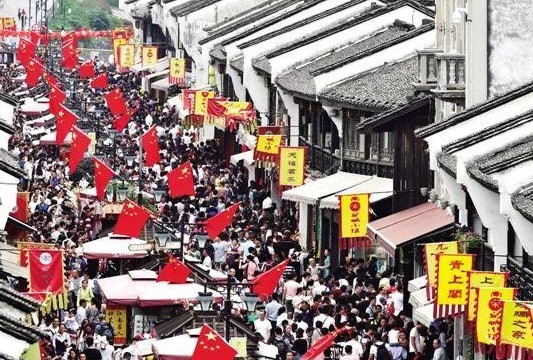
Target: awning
x=321 y=188
x=113 y=248
x=162 y=64
x=162 y=84
x=414 y=223
x=165 y=294
x=50 y=139
x=40 y=121
x=247 y=157
x=419 y=298
x=424 y=314
x=179 y=347
x=20 y=224
x=157 y=74
x=34 y=108
x=378 y=188
x=417 y=283
x=122 y=289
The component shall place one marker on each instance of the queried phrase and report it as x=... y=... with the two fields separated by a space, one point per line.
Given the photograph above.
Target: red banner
x=22 y=212
x=46 y=271
x=24 y=247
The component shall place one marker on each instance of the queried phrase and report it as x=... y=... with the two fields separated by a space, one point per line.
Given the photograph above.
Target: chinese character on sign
x=456 y=264
x=455 y=293
x=455 y=280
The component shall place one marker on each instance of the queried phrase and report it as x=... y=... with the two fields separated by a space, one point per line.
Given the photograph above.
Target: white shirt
x=418 y=341
x=357 y=348
x=326 y=320
x=263 y=327
x=397 y=300
x=208 y=262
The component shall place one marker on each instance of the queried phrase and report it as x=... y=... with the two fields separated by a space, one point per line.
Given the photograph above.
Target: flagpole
x=140 y=195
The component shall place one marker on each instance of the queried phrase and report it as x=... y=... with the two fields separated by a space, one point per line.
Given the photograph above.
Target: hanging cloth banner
x=188 y=100
x=517 y=325
x=46 y=271
x=452 y=283
x=430 y=256
x=266 y=152
x=489 y=310
x=177 y=71
x=200 y=101
x=126 y=55
x=479 y=279
x=291 y=166
x=117 y=43
x=149 y=56
x=353 y=210
x=216 y=112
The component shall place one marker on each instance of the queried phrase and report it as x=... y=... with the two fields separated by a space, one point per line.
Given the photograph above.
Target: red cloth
x=100 y=82
x=211 y=345
x=181 y=181
x=69 y=52
x=265 y=284
x=34 y=71
x=35 y=37
x=175 y=272
x=56 y=97
x=51 y=80
x=215 y=225
x=131 y=220
x=46 y=271
x=25 y=51
x=78 y=148
x=121 y=121
x=115 y=102
x=318 y=348
x=86 y=70
x=65 y=120
x=102 y=175
x=150 y=144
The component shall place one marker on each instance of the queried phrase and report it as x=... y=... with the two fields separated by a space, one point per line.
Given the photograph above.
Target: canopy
x=140 y=348
x=34 y=108
x=41 y=121
x=417 y=283
x=414 y=223
x=179 y=347
x=122 y=289
x=247 y=157
x=419 y=298
x=162 y=84
x=311 y=192
x=162 y=64
x=42 y=100
x=50 y=139
x=166 y=294
x=424 y=314
x=112 y=247
x=378 y=188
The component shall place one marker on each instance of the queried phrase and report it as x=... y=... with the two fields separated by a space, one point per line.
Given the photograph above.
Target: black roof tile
x=19 y=330
x=448 y=162
x=379 y=89
x=10 y=165
x=522 y=201
x=18 y=300
x=218 y=53
x=238 y=64
x=191 y=6
x=6 y=127
x=262 y=64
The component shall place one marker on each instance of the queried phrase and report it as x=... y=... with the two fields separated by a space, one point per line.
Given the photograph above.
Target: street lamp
x=158 y=194
x=162 y=237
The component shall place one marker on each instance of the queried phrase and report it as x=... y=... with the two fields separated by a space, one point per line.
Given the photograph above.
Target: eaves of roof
x=238 y=64
x=348 y=24
x=245 y=19
x=7 y=128
x=9 y=164
x=306 y=5
x=191 y=6
x=522 y=201
x=474 y=111
x=448 y=162
x=300 y=23
x=19 y=330
x=218 y=53
x=127 y=2
x=262 y=65
x=18 y=300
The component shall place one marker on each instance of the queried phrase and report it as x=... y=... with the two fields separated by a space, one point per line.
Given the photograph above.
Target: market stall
x=113 y=247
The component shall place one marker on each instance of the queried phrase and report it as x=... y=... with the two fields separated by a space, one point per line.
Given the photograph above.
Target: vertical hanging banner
x=177 y=71
x=126 y=55
x=149 y=56
x=353 y=210
x=200 y=101
x=452 y=279
x=46 y=271
x=489 y=313
x=117 y=43
x=291 y=166
x=117 y=317
x=430 y=253
x=24 y=247
x=479 y=279
x=517 y=325
x=266 y=151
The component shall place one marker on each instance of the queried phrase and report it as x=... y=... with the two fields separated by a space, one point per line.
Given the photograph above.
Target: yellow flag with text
x=353 y=210
x=200 y=101
x=149 y=56
x=291 y=166
x=177 y=71
x=452 y=278
x=479 y=279
x=268 y=144
x=126 y=55
x=489 y=312
x=431 y=251
x=517 y=325
x=117 y=43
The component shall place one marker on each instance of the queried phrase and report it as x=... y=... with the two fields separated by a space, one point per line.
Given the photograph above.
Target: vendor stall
x=113 y=247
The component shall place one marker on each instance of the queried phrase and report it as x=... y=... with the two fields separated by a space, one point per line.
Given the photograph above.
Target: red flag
x=121 y=121
x=25 y=51
x=46 y=271
x=35 y=37
x=211 y=345
x=150 y=144
x=265 y=284
x=80 y=145
x=115 y=102
x=86 y=70
x=175 y=272
x=65 y=120
x=131 y=220
x=56 y=97
x=100 y=82
x=181 y=181
x=69 y=53
x=322 y=344
x=219 y=222
x=51 y=80
x=102 y=175
x=34 y=71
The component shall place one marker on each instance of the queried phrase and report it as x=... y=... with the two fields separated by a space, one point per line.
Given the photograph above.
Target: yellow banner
x=239 y=344
x=235 y=107
x=200 y=101
x=117 y=43
x=177 y=68
x=149 y=55
x=291 y=166
x=479 y=279
x=116 y=316
x=126 y=55
x=489 y=312
x=353 y=210
x=452 y=278
x=431 y=251
x=517 y=325
x=268 y=144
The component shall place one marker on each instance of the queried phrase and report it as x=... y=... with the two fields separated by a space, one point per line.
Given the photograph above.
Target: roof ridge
x=507 y=161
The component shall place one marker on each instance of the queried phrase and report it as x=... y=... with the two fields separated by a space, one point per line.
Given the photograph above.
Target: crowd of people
x=365 y=308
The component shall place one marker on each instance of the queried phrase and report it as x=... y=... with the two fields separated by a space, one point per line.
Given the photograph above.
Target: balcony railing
x=427 y=69
x=451 y=77
x=520 y=277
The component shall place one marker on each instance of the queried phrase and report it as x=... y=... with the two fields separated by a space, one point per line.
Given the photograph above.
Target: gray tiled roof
x=522 y=201
x=300 y=80
x=380 y=89
x=448 y=162
x=218 y=53
x=6 y=127
x=238 y=64
x=9 y=164
x=191 y=6
x=18 y=329
x=18 y=300
x=262 y=64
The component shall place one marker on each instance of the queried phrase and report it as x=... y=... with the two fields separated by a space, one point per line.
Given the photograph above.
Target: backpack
x=283 y=348
x=107 y=331
x=382 y=353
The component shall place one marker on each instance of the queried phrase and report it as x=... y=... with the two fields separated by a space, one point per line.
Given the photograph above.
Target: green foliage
x=89 y=14
x=113 y=3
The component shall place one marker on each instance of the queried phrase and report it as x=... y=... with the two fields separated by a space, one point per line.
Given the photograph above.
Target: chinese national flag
x=25 y=51
x=34 y=71
x=80 y=144
x=121 y=121
x=102 y=175
x=51 y=80
x=175 y=272
x=46 y=271
x=115 y=102
x=69 y=53
x=86 y=70
x=322 y=344
x=211 y=345
x=181 y=181
x=131 y=220
x=150 y=144
x=100 y=82
x=65 y=120
x=57 y=97
x=35 y=37
x=215 y=225
x=265 y=284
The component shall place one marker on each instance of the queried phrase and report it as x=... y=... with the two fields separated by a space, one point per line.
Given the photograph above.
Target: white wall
x=293 y=111
x=8 y=196
x=476 y=53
